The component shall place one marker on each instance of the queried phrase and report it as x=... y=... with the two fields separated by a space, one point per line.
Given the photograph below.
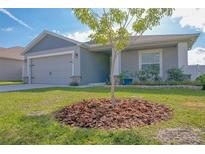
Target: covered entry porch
x=101 y=66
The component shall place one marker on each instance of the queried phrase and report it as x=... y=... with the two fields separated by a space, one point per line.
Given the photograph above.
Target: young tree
x=111 y=26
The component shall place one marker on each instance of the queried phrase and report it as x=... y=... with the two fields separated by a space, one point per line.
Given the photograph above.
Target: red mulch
x=99 y=113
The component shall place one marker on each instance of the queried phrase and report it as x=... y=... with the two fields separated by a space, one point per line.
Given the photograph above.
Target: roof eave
x=193 y=40
x=189 y=38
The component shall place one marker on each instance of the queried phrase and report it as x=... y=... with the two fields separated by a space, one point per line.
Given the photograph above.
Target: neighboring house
x=55 y=59
x=11 y=63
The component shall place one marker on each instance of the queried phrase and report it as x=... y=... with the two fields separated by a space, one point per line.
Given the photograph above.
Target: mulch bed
x=99 y=113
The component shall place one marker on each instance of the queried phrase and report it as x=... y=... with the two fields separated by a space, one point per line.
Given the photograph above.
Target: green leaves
x=122 y=38
x=117 y=16
x=201 y=79
x=137 y=13
x=86 y=17
x=149 y=18
x=111 y=25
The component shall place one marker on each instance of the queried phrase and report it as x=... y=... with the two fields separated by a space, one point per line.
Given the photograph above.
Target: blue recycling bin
x=127 y=81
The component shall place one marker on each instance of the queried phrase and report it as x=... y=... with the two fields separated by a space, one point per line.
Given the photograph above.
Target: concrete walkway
x=7 y=88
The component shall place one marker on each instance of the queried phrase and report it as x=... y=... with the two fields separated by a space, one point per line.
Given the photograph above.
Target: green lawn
x=18 y=127
x=10 y=82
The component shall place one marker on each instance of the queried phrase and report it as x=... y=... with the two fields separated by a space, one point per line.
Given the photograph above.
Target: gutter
x=190 y=38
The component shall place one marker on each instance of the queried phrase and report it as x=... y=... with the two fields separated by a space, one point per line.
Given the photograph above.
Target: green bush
x=201 y=79
x=125 y=75
x=142 y=76
x=175 y=74
x=107 y=82
x=158 y=83
x=148 y=75
x=74 y=84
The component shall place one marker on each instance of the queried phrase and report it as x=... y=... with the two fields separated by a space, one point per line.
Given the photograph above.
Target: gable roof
x=45 y=33
x=133 y=40
x=12 y=53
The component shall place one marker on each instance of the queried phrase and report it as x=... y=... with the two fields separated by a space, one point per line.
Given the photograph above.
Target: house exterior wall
x=10 y=69
x=76 y=59
x=94 y=67
x=169 y=60
x=51 y=42
x=130 y=60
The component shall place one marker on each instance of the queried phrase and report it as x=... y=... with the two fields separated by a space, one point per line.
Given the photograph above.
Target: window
x=150 y=61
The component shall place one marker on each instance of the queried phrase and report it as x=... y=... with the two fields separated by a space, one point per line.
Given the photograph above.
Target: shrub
x=74 y=84
x=158 y=83
x=125 y=75
x=201 y=79
x=154 y=75
x=122 y=76
x=107 y=82
x=142 y=76
x=148 y=75
x=175 y=74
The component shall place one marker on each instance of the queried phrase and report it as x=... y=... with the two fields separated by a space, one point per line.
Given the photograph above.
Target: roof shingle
x=12 y=53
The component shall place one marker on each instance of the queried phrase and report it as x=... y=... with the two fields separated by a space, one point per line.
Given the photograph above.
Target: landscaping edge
x=158 y=86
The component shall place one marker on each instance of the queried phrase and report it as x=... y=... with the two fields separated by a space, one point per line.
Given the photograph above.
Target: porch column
x=75 y=78
x=182 y=54
x=117 y=68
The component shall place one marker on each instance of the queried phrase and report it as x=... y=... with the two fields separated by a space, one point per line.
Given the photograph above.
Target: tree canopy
x=113 y=25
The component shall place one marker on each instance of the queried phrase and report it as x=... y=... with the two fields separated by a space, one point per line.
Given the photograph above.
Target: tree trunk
x=113 y=78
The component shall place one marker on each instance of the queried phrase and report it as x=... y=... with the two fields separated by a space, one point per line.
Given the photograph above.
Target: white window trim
x=29 y=58
x=151 y=51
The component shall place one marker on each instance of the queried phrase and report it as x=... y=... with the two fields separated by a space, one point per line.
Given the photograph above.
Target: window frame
x=152 y=51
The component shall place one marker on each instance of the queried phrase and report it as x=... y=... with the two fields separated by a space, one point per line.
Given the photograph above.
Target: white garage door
x=52 y=70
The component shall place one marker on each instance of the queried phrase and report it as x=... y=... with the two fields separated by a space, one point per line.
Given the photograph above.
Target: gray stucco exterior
x=130 y=60
x=169 y=60
x=10 y=69
x=51 y=42
x=94 y=66
x=51 y=49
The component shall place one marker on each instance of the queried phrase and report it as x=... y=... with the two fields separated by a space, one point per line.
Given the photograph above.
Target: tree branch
x=129 y=21
x=95 y=14
x=109 y=30
x=126 y=19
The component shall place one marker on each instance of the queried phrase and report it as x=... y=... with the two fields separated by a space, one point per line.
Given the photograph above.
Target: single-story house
x=54 y=59
x=11 y=62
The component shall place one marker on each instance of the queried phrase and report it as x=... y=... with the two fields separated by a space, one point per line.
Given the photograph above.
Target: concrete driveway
x=7 y=88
